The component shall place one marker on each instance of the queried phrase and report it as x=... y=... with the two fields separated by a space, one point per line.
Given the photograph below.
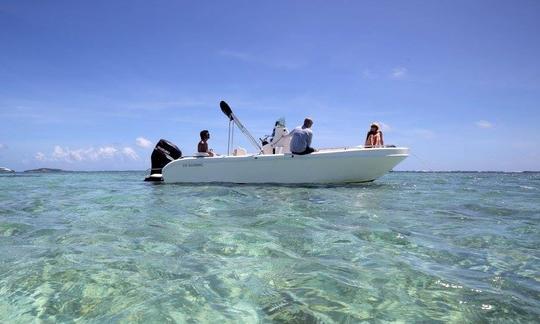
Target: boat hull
x=329 y=166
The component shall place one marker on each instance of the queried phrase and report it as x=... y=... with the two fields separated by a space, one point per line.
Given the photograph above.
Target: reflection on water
x=107 y=247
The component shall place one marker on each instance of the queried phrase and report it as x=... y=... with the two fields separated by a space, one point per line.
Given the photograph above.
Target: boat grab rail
x=356 y=147
x=319 y=150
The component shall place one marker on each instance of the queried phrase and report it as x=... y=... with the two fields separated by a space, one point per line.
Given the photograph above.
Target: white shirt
x=301 y=139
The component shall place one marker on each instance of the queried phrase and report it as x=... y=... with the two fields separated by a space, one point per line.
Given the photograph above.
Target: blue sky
x=92 y=85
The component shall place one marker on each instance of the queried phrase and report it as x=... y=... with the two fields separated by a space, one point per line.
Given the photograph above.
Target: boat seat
x=239 y=151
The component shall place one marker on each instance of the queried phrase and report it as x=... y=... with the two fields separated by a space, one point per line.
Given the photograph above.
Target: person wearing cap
x=301 y=138
x=203 y=145
x=374 y=137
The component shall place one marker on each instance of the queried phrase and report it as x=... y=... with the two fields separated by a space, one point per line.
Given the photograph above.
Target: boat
x=273 y=163
x=6 y=170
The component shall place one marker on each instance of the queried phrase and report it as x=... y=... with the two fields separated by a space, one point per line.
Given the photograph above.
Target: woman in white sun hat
x=374 y=137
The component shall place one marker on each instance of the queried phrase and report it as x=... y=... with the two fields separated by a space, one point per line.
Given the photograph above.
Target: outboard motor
x=163 y=153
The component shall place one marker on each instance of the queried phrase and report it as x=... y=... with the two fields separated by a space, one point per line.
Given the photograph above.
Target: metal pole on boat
x=229 y=139
x=232 y=138
x=226 y=109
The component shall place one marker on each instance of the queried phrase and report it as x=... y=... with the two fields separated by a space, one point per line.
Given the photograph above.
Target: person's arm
x=309 y=138
x=369 y=139
x=382 y=140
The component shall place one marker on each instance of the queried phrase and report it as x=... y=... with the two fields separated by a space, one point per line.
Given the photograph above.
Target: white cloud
x=399 y=73
x=242 y=56
x=59 y=153
x=484 y=124
x=66 y=154
x=130 y=153
x=3 y=146
x=106 y=152
x=385 y=127
x=368 y=74
x=283 y=62
x=28 y=111
x=143 y=142
x=182 y=103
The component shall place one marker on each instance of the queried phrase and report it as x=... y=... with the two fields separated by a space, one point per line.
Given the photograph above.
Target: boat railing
x=324 y=149
x=355 y=147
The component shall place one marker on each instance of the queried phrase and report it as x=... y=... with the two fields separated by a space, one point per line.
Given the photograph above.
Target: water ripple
x=430 y=247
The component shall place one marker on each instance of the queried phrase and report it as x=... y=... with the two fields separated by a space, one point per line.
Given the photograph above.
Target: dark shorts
x=308 y=150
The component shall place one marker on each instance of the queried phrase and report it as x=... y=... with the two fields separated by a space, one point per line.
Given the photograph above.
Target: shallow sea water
x=410 y=247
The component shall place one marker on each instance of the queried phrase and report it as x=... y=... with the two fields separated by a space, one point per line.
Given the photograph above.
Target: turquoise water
x=108 y=247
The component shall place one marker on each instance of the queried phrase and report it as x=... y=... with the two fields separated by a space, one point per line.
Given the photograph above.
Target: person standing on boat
x=374 y=137
x=203 y=145
x=301 y=138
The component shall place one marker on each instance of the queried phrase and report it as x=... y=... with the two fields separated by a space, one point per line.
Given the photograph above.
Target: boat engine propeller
x=164 y=153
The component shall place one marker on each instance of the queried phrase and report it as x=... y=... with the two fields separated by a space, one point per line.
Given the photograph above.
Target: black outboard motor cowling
x=163 y=153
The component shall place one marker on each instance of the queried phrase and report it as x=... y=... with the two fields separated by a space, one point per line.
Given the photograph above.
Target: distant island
x=6 y=170
x=44 y=170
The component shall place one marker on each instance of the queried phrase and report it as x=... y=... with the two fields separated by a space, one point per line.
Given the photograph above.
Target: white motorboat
x=274 y=163
x=6 y=170
x=325 y=166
